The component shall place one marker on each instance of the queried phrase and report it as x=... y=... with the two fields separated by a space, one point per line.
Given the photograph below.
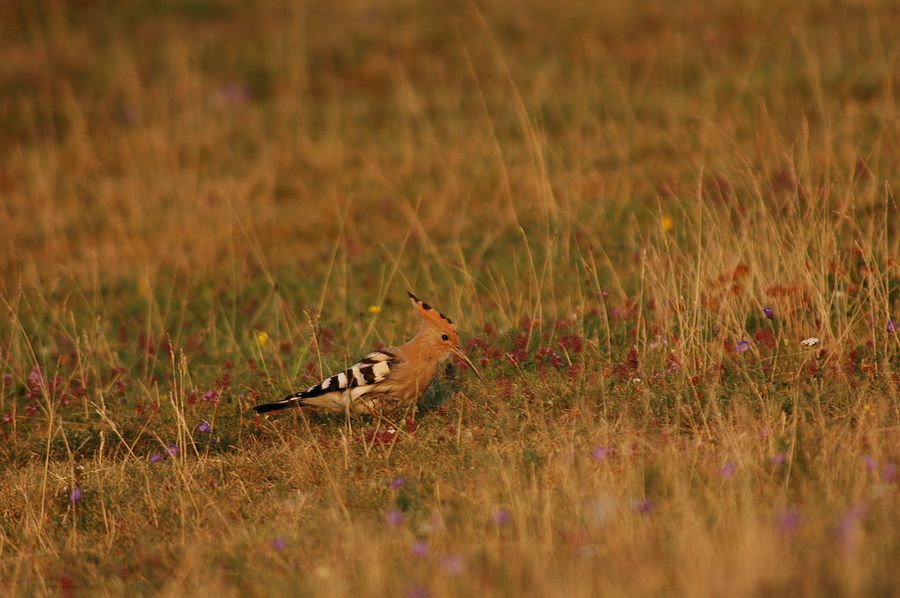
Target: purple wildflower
x=211 y=396
x=128 y=115
x=204 y=427
x=418 y=592
x=394 y=518
x=601 y=452
x=871 y=463
x=891 y=327
x=75 y=496
x=788 y=520
x=172 y=449
x=741 y=347
x=502 y=517
x=420 y=549
x=35 y=378
x=769 y=312
x=643 y=506
x=889 y=473
x=777 y=459
x=848 y=526
x=728 y=470
x=234 y=93
x=279 y=543
x=397 y=483
x=453 y=564
x=857 y=512
x=156 y=458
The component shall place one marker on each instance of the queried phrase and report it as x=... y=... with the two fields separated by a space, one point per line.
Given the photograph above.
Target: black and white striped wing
x=359 y=379
x=340 y=390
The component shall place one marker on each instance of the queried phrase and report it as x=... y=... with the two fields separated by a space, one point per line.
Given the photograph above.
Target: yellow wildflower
x=667 y=223
x=374 y=310
x=262 y=338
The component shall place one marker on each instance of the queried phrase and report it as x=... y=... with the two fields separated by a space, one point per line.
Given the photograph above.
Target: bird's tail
x=293 y=400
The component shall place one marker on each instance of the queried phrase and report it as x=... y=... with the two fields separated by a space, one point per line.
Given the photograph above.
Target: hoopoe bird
x=385 y=379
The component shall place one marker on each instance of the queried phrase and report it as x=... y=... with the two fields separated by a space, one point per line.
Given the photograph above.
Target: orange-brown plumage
x=386 y=379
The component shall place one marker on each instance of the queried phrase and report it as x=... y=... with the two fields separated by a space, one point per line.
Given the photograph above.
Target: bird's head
x=438 y=333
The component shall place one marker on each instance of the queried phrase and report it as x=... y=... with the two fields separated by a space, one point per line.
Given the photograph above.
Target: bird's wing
x=341 y=389
x=372 y=369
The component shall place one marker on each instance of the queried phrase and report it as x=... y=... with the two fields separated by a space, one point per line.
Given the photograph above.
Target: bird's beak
x=458 y=352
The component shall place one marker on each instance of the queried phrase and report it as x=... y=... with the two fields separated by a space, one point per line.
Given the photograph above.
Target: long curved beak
x=461 y=355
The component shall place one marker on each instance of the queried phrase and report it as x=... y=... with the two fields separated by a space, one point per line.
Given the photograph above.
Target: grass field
x=635 y=213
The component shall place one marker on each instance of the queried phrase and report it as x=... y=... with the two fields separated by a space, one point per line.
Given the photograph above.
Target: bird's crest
x=429 y=314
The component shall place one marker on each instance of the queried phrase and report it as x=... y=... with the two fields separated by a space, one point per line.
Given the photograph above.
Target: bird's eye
x=444 y=337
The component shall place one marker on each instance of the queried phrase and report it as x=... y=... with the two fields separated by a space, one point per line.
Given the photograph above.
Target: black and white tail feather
x=341 y=389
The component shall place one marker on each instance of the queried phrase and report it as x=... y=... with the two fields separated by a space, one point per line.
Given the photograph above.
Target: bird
x=385 y=379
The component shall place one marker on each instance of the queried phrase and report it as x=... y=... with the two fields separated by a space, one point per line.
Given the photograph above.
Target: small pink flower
x=728 y=470
x=601 y=452
x=848 y=526
x=420 y=549
x=502 y=517
x=453 y=564
x=418 y=592
x=643 y=506
x=234 y=93
x=75 y=496
x=35 y=379
x=789 y=520
x=394 y=518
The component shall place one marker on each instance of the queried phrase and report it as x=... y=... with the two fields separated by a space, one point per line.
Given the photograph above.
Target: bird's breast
x=414 y=378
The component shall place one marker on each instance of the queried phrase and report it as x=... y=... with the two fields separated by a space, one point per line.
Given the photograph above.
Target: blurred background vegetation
x=206 y=204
